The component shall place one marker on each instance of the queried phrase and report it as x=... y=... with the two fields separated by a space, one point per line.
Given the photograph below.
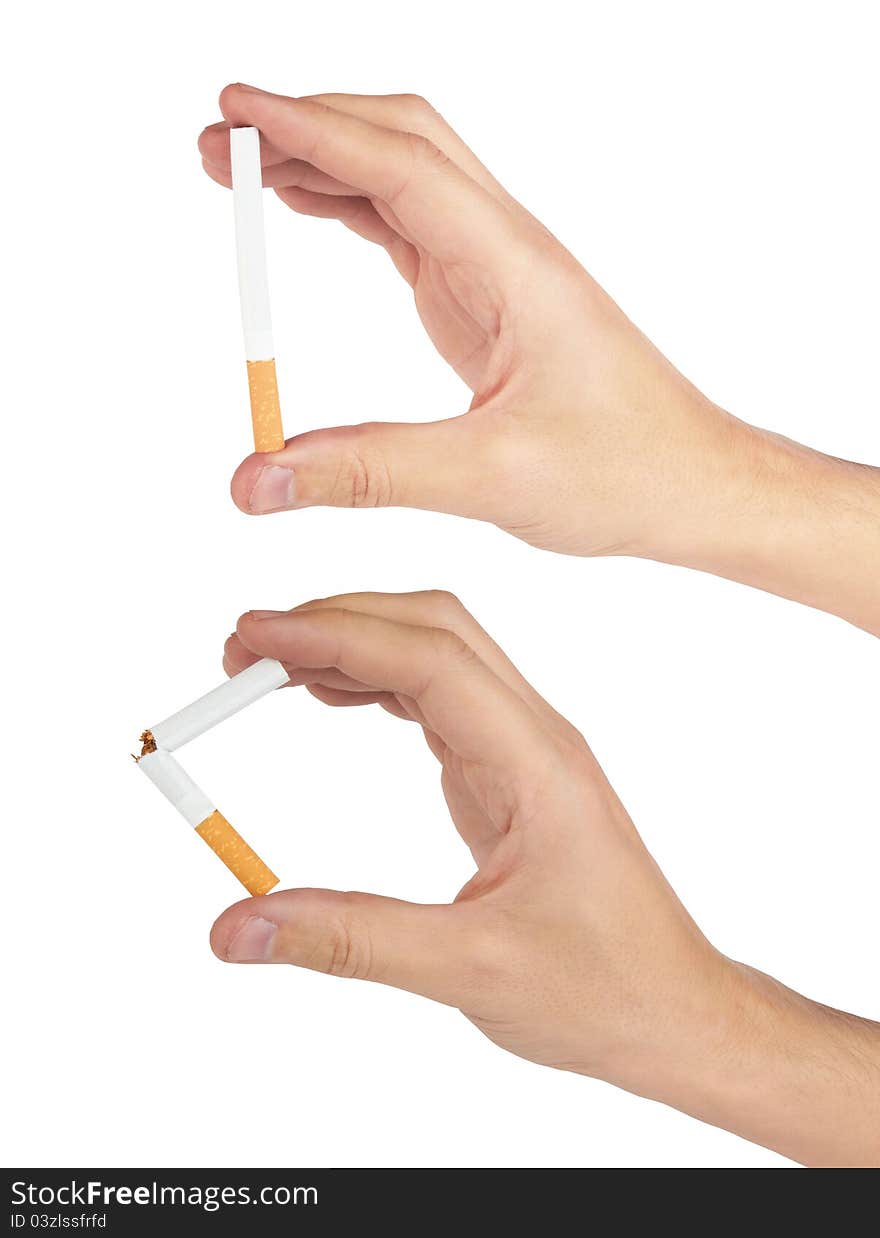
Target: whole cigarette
x=165 y=772
x=218 y=704
x=253 y=285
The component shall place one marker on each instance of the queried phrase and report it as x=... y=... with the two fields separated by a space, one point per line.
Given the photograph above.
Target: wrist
x=683 y=1053
x=778 y=1069
x=779 y=516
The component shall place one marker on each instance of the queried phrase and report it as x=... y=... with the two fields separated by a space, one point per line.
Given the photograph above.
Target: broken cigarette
x=253 y=284
x=166 y=773
x=219 y=704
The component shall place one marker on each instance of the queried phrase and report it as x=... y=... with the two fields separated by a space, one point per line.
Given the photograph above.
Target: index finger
x=482 y=718
x=438 y=204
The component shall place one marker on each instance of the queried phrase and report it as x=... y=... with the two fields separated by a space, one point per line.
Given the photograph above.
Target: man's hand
x=567 y=947
x=580 y=436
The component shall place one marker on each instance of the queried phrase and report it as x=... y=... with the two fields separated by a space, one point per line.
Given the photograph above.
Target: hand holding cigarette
x=567 y=946
x=580 y=436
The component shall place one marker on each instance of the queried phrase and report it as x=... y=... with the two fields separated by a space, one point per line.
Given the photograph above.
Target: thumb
x=436 y=465
x=424 y=949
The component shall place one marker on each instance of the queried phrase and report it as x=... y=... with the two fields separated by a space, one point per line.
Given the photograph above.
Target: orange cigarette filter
x=241 y=859
x=265 y=406
x=169 y=776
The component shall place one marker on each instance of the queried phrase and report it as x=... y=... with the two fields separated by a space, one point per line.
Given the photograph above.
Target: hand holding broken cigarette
x=567 y=947
x=580 y=437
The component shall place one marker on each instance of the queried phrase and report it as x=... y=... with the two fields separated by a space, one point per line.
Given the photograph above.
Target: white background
x=713 y=166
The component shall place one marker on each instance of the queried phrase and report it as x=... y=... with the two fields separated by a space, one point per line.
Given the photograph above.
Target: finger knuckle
x=420 y=154
x=314 y=105
x=450 y=647
x=347 y=950
x=573 y=744
x=415 y=104
x=445 y=605
x=362 y=479
x=425 y=153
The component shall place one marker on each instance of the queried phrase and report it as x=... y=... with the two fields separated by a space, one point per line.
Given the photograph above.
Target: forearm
x=790 y=520
x=788 y=1073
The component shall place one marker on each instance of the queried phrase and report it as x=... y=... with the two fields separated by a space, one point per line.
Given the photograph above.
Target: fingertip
x=251 y=632
x=235 y=656
x=224 y=927
x=213 y=141
x=245 y=622
x=264 y=482
x=231 y=96
x=221 y=176
x=235 y=97
x=280 y=927
x=243 y=932
x=243 y=481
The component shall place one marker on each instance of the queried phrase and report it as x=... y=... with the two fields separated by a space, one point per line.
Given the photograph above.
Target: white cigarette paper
x=219 y=704
x=211 y=826
x=250 y=238
x=176 y=785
